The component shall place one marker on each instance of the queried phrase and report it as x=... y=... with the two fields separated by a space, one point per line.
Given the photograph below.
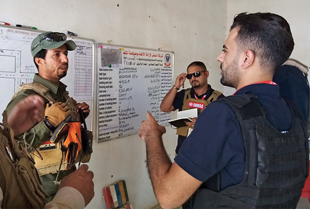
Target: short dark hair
x=199 y=64
x=267 y=35
x=40 y=54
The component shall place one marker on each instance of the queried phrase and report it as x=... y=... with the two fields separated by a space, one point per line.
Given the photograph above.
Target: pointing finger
x=150 y=117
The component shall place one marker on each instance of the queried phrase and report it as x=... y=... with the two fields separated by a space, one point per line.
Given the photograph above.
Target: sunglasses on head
x=53 y=37
x=195 y=74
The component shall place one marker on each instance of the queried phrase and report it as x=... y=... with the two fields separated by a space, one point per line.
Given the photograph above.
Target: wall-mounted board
x=17 y=66
x=130 y=82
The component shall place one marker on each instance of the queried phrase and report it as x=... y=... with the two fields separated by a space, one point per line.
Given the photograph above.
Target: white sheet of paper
x=191 y=113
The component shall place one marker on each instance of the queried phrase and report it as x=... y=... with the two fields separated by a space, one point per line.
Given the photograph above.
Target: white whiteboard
x=131 y=82
x=17 y=66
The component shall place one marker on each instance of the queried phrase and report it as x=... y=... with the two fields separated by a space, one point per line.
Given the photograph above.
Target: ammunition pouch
x=19 y=179
x=50 y=158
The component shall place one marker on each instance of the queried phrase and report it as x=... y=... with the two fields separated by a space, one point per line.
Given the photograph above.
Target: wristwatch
x=48 y=124
x=176 y=87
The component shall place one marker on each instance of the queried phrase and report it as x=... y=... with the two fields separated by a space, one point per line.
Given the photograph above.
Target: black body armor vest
x=276 y=163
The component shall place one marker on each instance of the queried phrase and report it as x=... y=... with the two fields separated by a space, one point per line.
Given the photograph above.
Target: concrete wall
x=194 y=30
x=295 y=12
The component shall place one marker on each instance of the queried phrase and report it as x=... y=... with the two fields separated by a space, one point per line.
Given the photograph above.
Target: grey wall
x=194 y=30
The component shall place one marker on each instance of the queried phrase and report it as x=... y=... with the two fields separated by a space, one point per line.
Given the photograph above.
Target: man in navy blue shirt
x=256 y=46
x=292 y=80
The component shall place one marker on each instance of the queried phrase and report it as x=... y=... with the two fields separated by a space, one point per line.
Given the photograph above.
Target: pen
x=25 y=26
x=4 y=23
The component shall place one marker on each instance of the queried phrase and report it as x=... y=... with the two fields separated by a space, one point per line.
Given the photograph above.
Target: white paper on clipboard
x=191 y=113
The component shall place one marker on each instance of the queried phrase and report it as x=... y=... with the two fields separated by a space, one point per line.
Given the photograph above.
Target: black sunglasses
x=195 y=74
x=53 y=37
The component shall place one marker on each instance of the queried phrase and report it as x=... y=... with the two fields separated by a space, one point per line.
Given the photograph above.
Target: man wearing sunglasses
x=199 y=96
x=248 y=150
x=50 y=53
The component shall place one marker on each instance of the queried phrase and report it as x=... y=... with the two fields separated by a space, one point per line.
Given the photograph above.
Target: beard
x=230 y=74
x=62 y=74
x=195 y=84
x=63 y=70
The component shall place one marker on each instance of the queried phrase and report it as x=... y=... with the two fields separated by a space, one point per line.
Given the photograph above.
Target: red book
x=108 y=198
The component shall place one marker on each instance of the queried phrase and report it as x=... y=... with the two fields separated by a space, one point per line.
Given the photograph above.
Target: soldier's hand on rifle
x=56 y=113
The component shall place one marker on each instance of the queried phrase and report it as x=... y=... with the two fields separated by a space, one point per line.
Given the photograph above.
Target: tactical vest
x=19 y=179
x=182 y=131
x=276 y=163
x=52 y=154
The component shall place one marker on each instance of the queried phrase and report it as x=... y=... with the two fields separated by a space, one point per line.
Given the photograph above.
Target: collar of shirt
x=265 y=88
x=52 y=86
x=205 y=95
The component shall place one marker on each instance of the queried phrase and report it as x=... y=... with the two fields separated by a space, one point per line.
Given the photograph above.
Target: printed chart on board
x=131 y=82
x=17 y=65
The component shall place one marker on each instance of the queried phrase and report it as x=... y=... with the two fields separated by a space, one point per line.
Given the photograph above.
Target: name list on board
x=132 y=82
